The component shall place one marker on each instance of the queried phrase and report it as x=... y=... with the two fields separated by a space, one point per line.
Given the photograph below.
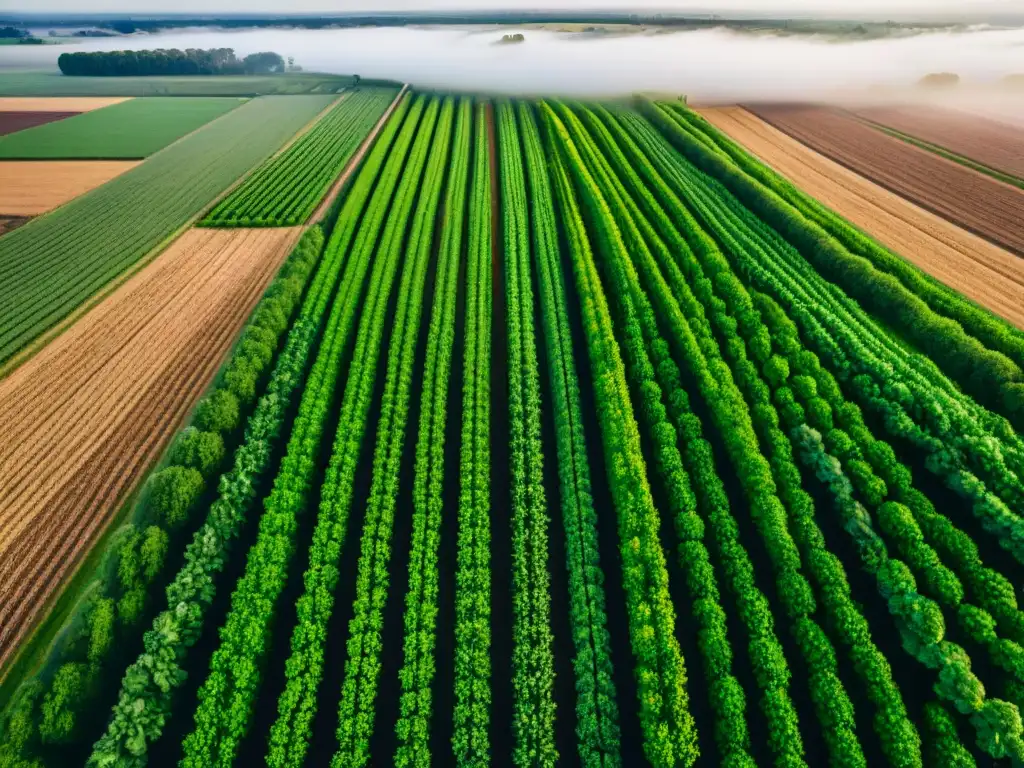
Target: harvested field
x=28 y=188
x=980 y=270
x=973 y=200
x=18 y=121
x=57 y=104
x=984 y=141
x=87 y=415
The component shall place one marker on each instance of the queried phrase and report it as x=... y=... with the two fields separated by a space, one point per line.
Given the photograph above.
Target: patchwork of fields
x=132 y=129
x=53 y=264
x=597 y=434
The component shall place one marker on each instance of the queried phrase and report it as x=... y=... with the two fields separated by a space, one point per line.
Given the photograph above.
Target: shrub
x=198 y=449
x=217 y=413
x=173 y=491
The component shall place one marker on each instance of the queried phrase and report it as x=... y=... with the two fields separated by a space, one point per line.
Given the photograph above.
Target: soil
x=972 y=200
x=9 y=223
x=57 y=103
x=991 y=276
x=984 y=141
x=94 y=409
x=19 y=121
x=28 y=188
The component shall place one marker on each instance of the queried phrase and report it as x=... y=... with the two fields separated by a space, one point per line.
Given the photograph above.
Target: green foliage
x=421 y=599
x=59 y=704
x=532 y=656
x=219 y=726
x=173 y=492
x=101 y=631
x=203 y=451
x=285 y=190
x=472 y=709
x=218 y=412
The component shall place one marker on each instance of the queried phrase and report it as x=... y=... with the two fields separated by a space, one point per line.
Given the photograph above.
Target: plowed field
x=85 y=417
x=973 y=200
x=11 y=122
x=28 y=188
x=996 y=145
x=57 y=103
x=984 y=272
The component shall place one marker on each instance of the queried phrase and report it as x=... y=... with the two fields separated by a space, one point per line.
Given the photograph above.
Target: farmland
x=56 y=262
x=31 y=188
x=285 y=190
x=974 y=201
x=133 y=129
x=467 y=430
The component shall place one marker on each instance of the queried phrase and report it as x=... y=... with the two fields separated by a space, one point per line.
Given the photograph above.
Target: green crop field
x=55 y=262
x=129 y=130
x=579 y=437
x=286 y=189
x=56 y=84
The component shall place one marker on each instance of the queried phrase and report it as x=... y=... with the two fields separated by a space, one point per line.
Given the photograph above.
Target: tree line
x=170 y=61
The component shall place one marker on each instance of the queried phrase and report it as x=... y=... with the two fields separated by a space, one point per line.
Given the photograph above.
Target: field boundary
x=923 y=202
x=36 y=646
x=974 y=165
x=354 y=163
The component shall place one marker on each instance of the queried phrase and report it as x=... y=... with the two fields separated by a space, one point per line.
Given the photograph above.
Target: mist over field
x=707 y=65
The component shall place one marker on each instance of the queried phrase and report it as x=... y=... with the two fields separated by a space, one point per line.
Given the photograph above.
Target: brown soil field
x=970 y=199
x=57 y=103
x=88 y=415
x=31 y=187
x=980 y=270
x=11 y=122
x=984 y=141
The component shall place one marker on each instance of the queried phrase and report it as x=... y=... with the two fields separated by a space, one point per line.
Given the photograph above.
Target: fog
x=707 y=65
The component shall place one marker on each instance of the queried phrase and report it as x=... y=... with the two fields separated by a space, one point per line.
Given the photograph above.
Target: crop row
x=421 y=600
x=833 y=516
x=918 y=618
x=597 y=715
x=364 y=646
x=227 y=695
x=285 y=190
x=472 y=675
x=533 y=674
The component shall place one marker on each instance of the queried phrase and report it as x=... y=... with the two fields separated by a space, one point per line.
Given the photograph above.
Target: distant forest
x=169 y=61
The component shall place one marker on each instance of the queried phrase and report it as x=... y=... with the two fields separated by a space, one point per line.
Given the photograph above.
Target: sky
x=882 y=8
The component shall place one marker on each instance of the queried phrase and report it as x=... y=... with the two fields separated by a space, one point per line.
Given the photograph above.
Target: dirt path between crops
x=980 y=270
x=31 y=187
x=355 y=162
x=997 y=145
x=86 y=416
x=58 y=103
x=974 y=201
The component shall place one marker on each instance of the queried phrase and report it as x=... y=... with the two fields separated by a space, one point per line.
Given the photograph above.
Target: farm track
x=12 y=122
x=984 y=141
x=107 y=409
x=58 y=103
x=987 y=274
x=974 y=201
x=29 y=188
